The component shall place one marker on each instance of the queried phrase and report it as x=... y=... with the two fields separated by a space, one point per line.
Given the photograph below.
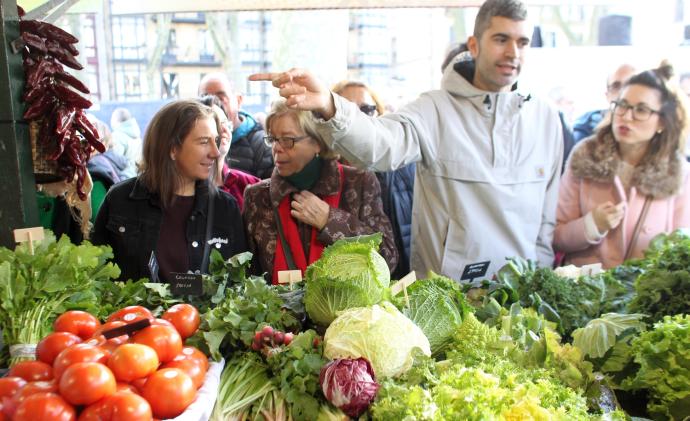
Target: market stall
x=532 y=343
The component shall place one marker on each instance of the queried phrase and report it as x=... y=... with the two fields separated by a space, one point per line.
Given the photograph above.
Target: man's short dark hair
x=511 y=9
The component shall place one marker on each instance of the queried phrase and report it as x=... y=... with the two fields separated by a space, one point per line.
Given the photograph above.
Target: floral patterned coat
x=360 y=212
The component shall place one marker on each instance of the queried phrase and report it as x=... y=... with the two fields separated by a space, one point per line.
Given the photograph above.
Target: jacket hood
x=598 y=160
x=457 y=80
x=129 y=127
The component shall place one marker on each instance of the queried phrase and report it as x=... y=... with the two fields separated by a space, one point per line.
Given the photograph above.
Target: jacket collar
x=598 y=160
x=201 y=192
x=326 y=185
x=457 y=79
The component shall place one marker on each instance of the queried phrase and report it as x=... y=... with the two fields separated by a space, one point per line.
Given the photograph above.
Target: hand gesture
x=607 y=216
x=308 y=208
x=302 y=90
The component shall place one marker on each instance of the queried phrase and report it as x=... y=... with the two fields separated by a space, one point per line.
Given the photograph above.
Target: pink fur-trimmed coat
x=590 y=179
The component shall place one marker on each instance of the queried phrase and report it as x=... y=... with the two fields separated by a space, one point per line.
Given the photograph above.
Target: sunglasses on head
x=368 y=109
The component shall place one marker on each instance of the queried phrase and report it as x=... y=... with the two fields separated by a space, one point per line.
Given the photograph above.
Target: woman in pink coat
x=628 y=182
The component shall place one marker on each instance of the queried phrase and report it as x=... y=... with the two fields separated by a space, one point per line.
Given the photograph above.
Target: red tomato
x=126 y=387
x=185 y=318
x=169 y=392
x=25 y=391
x=192 y=368
x=32 y=371
x=79 y=353
x=139 y=384
x=192 y=353
x=163 y=339
x=130 y=314
x=163 y=322
x=9 y=386
x=94 y=412
x=53 y=344
x=85 y=383
x=80 y=323
x=124 y=406
x=133 y=361
x=44 y=406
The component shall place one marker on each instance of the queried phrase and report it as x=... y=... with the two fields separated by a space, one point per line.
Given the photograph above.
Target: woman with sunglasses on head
x=168 y=218
x=228 y=179
x=310 y=201
x=629 y=182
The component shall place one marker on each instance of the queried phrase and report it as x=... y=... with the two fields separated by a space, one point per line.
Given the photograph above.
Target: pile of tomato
x=79 y=374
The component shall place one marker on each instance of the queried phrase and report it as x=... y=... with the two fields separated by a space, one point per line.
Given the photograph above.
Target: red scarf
x=292 y=236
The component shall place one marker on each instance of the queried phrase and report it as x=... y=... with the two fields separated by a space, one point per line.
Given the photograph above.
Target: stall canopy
x=124 y=7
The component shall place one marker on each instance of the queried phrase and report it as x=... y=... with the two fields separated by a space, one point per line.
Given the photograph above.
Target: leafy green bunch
x=663 y=356
x=34 y=288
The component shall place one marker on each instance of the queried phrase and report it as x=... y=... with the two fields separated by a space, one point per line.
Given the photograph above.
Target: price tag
x=186 y=283
x=474 y=270
x=23 y=235
x=289 y=277
x=403 y=284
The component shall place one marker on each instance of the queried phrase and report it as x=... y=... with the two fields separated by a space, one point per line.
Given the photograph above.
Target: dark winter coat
x=397 y=191
x=248 y=152
x=130 y=221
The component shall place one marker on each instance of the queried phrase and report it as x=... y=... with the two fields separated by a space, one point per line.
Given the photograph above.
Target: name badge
x=186 y=283
x=475 y=270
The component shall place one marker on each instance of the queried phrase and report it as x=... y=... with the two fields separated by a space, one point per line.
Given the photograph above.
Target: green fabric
x=307 y=177
x=46 y=208
x=97 y=196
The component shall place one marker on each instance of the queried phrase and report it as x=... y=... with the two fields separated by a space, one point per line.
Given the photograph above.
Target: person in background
x=628 y=182
x=488 y=156
x=397 y=187
x=172 y=214
x=126 y=139
x=249 y=153
x=585 y=125
x=228 y=179
x=310 y=201
x=106 y=169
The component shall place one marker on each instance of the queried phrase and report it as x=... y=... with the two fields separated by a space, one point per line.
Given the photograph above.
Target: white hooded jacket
x=486 y=185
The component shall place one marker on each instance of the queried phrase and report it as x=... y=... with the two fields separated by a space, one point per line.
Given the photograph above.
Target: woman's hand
x=607 y=216
x=308 y=208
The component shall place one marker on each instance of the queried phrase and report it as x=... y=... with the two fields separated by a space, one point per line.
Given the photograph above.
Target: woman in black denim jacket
x=159 y=221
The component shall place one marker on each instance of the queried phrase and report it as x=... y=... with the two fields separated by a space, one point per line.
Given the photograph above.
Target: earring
x=659 y=131
x=317 y=154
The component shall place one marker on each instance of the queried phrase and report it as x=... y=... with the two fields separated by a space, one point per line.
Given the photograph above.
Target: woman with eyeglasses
x=629 y=182
x=230 y=180
x=168 y=218
x=310 y=201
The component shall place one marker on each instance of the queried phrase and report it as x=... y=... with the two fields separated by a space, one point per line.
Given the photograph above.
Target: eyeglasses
x=639 y=112
x=286 y=142
x=368 y=109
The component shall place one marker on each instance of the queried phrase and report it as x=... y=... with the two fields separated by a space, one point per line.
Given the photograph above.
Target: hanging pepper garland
x=53 y=99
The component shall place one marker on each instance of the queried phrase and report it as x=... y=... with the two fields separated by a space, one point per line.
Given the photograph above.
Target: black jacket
x=130 y=220
x=397 y=190
x=251 y=155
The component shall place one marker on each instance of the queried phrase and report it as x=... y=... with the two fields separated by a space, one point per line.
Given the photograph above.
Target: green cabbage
x=350 y=273
x=381 y=334
x=437 y=305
